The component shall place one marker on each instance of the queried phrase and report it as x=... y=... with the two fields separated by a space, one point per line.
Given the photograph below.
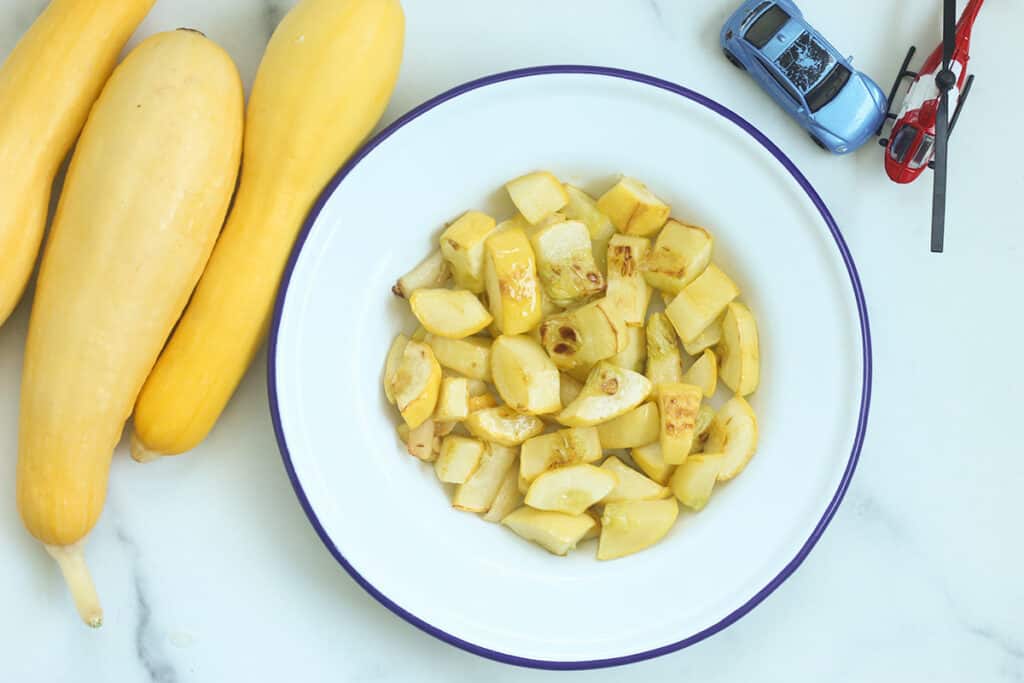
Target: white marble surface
x=210 y=572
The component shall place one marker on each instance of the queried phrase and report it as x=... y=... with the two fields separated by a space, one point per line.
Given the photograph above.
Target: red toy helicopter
x=922 y=128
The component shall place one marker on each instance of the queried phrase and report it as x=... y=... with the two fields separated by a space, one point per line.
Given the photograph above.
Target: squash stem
x=142 y=454
x=71 y=559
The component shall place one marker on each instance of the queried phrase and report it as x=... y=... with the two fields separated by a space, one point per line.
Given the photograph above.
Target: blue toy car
x=839 y=106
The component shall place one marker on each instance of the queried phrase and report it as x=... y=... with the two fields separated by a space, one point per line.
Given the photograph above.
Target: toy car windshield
x=766 y=26
x=829 y=87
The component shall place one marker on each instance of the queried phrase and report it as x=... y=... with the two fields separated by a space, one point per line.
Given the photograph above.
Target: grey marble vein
x=1002 y=641
x=998 y=639
x=656 y=8
x=870 y=508
x=661 y=22
x=147 y=642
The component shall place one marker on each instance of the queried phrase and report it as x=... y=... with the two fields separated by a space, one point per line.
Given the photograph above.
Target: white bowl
x=383 y=514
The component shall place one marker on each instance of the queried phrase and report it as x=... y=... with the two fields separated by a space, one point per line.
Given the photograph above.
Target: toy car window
x=900 y=144
x=924 y=151
x=766 y=26
x=825 y=92
x=781 y=81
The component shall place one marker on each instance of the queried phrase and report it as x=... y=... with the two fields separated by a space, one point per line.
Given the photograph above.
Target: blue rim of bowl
x=858 y=292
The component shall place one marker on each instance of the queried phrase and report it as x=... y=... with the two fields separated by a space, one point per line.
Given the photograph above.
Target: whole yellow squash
x=47 y=85
x=323 y=83
x=145 y=196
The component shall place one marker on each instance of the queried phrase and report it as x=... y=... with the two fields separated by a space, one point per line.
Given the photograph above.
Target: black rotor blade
x=960 y=103
x=948 y=31
x=941 y=160
x=942 y=127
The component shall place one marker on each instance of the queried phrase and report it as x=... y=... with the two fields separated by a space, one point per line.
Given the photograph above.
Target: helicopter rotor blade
x=948 y=31
x=941 y=161
x=942 y=126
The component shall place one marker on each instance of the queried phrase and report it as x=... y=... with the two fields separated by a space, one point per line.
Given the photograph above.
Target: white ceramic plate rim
x=840 y=243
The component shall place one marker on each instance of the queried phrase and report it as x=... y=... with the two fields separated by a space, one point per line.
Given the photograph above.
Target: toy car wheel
x=818 y=142
x=733 y=60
